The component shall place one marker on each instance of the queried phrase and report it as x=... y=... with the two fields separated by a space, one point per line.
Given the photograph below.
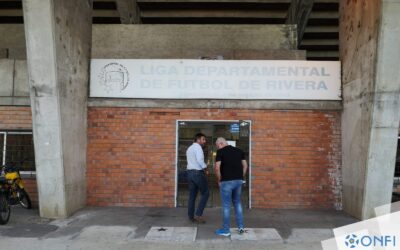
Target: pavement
x=169 y=228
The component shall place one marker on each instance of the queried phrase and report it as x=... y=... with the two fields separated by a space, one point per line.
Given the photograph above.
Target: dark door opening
x=237 y=133
x=396 y=181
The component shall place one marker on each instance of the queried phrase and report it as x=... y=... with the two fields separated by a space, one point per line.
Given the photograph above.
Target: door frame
x=210 y=121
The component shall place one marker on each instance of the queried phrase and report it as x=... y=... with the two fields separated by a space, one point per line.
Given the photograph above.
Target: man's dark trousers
x=197 y=182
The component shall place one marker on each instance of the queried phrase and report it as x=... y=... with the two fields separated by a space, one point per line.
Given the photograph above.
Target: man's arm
x=200 y=158
x=217 y=171
x=244 y=165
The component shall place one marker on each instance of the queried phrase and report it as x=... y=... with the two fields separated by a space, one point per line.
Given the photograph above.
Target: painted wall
x=14 y=87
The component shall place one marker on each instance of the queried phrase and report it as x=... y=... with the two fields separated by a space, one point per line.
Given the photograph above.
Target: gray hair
x=221 y=140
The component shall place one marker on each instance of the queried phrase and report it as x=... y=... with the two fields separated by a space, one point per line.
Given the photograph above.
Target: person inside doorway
x=230 y=170
x=196 y=173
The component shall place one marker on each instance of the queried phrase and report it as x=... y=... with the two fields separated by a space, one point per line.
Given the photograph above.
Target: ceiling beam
x=322 y=54
x=322 y=29
x=105 y=13
x=10 y=12
x=214 y=1
x=128 y=11
x=320 y=42
x=212 y=13
x=299 y=12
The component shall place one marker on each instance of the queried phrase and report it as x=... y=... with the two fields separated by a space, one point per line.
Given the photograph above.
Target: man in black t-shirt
x=230 y=170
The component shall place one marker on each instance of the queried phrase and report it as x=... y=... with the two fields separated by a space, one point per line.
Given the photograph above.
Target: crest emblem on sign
x=114 y=77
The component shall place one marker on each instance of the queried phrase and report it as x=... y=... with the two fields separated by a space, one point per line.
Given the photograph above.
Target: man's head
x=220 y=142
x=200 y=138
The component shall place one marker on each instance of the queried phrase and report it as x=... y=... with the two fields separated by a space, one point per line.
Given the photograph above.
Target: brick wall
x=31 y=189
x=296 y=156
x=14 y=118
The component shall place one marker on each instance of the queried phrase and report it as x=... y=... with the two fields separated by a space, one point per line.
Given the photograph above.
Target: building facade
x=103 y=151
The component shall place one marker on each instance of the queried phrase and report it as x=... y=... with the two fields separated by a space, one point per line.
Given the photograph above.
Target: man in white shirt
x=196 y=171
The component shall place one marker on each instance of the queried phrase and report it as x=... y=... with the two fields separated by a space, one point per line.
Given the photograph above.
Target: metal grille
x=17 y=148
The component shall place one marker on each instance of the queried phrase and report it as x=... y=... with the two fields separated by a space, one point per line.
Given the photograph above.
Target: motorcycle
x=5 y=210
x=14 y=187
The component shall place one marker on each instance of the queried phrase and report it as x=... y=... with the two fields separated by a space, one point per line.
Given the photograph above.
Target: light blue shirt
x=195 y=157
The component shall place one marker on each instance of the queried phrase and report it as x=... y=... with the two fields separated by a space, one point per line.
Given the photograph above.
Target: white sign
x=215 y=79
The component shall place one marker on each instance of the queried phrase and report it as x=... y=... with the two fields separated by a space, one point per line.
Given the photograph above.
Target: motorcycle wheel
x=24 y=199
x=5 y=210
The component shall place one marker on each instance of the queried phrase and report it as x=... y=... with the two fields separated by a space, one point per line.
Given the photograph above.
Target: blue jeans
x=197 y=182
x=231 y=191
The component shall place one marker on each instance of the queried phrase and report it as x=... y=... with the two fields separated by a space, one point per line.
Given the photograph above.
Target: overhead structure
x=317 y=20
x=298 y=14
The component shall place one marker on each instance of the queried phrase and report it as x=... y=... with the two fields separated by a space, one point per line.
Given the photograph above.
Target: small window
x=17 y=148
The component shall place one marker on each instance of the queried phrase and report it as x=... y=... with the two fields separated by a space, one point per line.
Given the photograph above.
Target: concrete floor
x=126 y=228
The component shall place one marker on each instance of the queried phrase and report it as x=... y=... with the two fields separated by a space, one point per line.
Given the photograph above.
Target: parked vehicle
x=14 y=187
x=5 y=210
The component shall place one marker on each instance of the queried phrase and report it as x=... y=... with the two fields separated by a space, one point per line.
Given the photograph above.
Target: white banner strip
x=215 y=79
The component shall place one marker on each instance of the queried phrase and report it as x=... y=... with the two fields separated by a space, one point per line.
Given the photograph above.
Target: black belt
x=195 y=170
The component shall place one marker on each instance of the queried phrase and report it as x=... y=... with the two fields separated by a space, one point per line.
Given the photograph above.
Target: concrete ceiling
x=320 y=24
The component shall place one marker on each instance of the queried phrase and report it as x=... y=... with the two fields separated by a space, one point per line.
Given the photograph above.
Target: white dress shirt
x=195 y=157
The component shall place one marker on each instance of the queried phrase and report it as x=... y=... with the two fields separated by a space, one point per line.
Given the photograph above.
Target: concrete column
x=128 y=11
x=58 y=38
x=298 y=13
x=370 y=54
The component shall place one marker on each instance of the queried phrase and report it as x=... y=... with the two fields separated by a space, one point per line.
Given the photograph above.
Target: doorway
x=237 y=133
x=396 y=180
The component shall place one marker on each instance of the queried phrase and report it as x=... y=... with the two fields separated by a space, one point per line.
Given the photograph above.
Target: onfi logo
x=353 y=241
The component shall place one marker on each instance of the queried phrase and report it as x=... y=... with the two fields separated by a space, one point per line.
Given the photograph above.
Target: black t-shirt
x=231 y=163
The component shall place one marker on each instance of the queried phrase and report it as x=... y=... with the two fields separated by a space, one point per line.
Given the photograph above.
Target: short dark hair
x=198 y=136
